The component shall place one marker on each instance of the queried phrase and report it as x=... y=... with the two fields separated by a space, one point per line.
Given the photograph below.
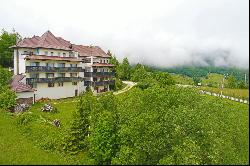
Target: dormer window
x=51 y=53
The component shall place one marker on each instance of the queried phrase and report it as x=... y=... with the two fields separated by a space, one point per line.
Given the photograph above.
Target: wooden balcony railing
x=99 y=83
x=52 y=80
x=99 y=74
x=30 y=69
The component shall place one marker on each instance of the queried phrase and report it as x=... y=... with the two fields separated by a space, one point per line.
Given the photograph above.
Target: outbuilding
x=24 y=92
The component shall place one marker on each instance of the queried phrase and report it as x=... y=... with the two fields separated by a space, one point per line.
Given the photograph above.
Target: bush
x=25 y=118
x=7 y=98
x=5 y=76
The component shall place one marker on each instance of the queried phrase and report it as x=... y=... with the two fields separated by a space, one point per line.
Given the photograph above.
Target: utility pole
x=245 y=79
x=222 y=85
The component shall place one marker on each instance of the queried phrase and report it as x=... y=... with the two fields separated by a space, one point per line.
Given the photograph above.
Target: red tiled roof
x=18 y=86
x=57 y=58
x=47 y=40
x=102 y=65
x=85 y=51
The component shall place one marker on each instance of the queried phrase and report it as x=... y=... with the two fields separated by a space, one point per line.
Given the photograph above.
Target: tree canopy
x=7 y=39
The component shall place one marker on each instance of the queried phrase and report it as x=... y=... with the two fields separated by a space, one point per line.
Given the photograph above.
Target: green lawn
x=181 y=79
x=214 y=80
x=38 y=141
x=16 y=149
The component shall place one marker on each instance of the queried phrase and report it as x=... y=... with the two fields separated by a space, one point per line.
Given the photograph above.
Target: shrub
x=7 y=98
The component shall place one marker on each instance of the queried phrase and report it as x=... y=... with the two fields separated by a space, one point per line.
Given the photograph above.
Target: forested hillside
x=202 y=71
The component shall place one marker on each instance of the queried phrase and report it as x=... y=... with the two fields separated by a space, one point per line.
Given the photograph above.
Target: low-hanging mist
x=164 y=33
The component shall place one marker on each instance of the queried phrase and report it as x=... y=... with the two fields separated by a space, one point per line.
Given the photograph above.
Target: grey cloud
x=163 y=32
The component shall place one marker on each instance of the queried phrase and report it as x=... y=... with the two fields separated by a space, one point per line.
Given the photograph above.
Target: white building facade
x=56 y=69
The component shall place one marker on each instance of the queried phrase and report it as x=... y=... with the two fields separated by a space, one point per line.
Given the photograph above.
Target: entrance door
x=76 y=92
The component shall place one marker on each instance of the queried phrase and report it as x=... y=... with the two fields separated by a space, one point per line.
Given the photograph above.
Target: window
x=60 y=83
x=107 y=61
x=34 y=63
x=49 y=75
x=50 y=64
x=61 y=64
x=58 y=53
x=61 y=74
x=51 y=53
x=25 y=52
x=71 y=54
x=103 y=61
x=74 y=83
x=46 y=52
x=73 y=74
x=73 y=65
x=34 y=75
x=100 y=61
x=64 y=54
x=34 y=85
x=51 y=84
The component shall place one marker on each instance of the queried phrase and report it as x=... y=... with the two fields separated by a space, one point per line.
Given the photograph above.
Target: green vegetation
x=7 y=96
x=18 y=149
x=202 y=71
x=153 y=125
x=37 y=128
x=213 y=80
x=165 y=125
x=6 y=41
x=182 y=79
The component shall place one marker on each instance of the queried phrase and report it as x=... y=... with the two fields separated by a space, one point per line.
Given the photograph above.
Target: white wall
x=21 y=60
x=24 y=94
x=67 y=90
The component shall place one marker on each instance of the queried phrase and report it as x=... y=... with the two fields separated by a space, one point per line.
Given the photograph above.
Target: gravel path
x=130 y=85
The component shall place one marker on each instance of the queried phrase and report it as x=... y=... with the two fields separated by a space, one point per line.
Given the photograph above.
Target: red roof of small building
x=18 y=86
x=56 y=58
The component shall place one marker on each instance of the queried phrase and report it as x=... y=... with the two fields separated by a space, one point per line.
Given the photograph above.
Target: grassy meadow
x=31 y=138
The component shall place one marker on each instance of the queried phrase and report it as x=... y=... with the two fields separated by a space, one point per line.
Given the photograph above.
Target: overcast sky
x=159 y=32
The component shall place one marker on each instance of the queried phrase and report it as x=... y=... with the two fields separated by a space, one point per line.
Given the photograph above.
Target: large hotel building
x=51 y=67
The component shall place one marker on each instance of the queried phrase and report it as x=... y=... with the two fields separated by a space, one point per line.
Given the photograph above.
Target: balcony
x=99 y=74
x=30 y=69
x=86 y=60
x=99 y=83
x=52 y=80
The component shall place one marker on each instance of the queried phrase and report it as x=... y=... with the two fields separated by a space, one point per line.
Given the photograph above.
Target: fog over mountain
x=156 y=32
